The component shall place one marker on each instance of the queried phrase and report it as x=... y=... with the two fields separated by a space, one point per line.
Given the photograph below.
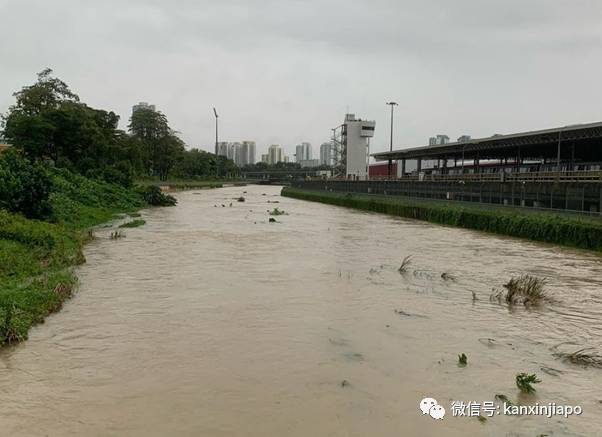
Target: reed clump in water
x=525 y=290
x=277 y=212
x=462 y=360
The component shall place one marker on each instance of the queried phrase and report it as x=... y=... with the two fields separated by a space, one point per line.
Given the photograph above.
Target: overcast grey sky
x=286 y=71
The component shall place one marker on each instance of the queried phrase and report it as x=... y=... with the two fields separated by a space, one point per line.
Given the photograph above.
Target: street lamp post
x=216 y=148
x=216 y=117
x=390 y=167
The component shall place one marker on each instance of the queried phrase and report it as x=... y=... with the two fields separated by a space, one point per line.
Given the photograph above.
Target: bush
x=120 y=174
x=24 y=187
x=153 y=195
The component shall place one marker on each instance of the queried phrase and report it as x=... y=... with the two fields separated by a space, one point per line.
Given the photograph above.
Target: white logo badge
x=431 y=407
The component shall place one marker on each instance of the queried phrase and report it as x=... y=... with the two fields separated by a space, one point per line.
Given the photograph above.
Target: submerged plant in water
x=277 y=211
x=405 y=263
x=503 y=398
x=525 y=382
x=586 y=357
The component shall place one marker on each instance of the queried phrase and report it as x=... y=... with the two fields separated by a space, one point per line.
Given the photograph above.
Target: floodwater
x=211 y=321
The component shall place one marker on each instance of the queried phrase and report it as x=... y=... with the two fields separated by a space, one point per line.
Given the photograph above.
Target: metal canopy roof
x=531 y=144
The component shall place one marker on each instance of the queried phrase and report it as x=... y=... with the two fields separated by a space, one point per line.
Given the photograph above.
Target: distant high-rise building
x=327 y=154
x=303 y=152
x=242 y=154
x=438 y=140
x=464 y=138
x=247 y=153
x=223 y=149
x=143 y=105
x=275 y=154
x=442 y=139
x=265 y=158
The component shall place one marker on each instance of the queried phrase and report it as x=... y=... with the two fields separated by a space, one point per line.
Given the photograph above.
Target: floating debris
x=551 y=371
x=447 y=276
x=345 y=383
x=117 y=235
x=406 y=314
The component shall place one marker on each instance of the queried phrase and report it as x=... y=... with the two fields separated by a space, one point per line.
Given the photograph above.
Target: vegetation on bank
x=71 y=168
x=574 y=231
x=49 y=122
x=36 y=253
x=133 y=224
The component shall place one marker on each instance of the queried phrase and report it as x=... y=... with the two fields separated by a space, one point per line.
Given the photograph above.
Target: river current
x=212 y=321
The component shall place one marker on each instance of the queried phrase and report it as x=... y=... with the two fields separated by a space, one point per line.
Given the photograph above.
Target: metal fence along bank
x=554 y=194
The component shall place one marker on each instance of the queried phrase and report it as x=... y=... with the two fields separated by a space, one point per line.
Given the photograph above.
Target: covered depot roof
x=579 y=142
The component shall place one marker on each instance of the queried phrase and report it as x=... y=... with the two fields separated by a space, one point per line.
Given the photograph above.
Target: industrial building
x=309 y=163
x=558 y=168
x=355 y=141
x=3 y=144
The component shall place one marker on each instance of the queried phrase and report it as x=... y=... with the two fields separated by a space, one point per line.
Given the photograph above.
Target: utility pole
x=390 y=167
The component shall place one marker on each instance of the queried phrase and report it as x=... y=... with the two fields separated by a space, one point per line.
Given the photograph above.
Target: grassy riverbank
x=36 y=256
x=567 y=230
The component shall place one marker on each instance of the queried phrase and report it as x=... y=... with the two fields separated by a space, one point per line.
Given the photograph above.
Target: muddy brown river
x=211 y=321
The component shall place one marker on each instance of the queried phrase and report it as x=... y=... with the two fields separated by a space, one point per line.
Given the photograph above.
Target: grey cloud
x=286 y=71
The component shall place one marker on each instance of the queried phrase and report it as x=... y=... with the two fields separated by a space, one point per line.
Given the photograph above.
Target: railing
x=538 y=176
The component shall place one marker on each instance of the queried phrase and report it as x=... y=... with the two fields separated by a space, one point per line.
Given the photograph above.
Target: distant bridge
x=280 y=176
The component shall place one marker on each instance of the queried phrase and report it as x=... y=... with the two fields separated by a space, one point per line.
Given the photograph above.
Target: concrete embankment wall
x=582 y=197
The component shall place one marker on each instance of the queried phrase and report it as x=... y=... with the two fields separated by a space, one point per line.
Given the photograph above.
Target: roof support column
x=558 y=154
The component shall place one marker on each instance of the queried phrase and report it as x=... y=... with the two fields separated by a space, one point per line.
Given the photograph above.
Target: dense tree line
x=49 y=124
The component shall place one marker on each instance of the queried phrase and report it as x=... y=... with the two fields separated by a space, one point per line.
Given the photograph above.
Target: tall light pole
x=390 y=167
x=216 y=117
